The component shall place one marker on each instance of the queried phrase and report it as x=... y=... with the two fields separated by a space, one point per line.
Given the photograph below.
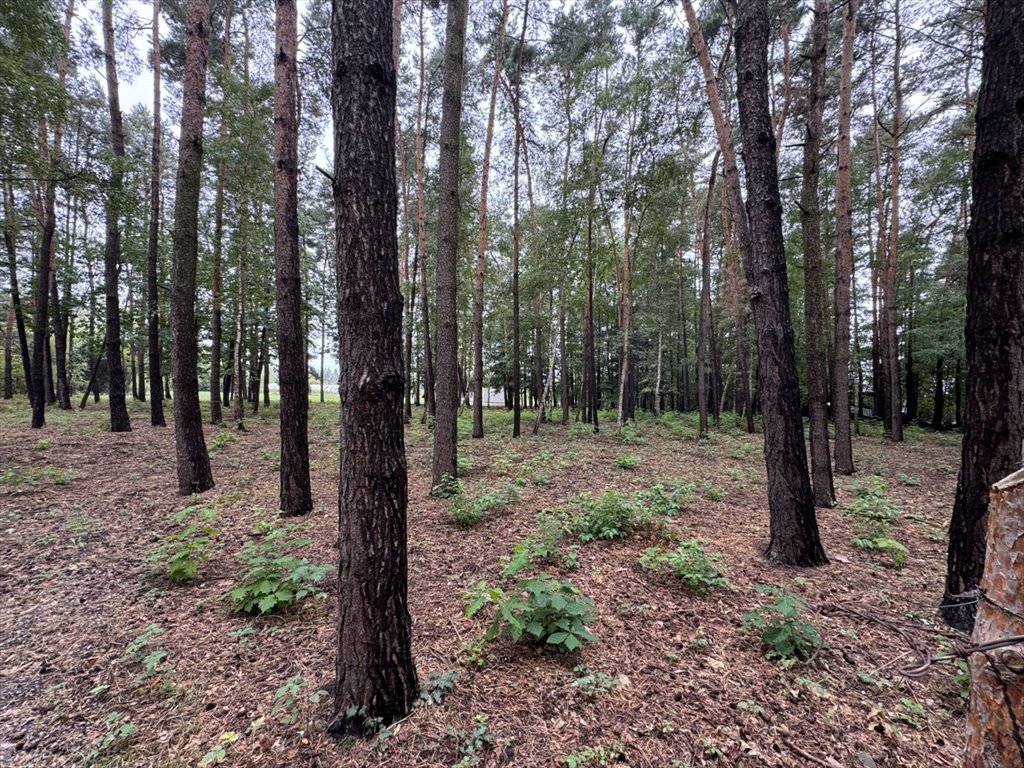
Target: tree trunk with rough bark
x=993 y=444
x=843 y=447
x=995 y=738
x=296 y=496
x=193 y=461
x=449 y=211
x=810 y=227
x=376 y=676
x=119 y=421
x=156 y=395
x=12 y=263
x=794 y=538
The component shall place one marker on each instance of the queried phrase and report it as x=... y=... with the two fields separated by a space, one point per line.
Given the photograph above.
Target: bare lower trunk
x=156 y=396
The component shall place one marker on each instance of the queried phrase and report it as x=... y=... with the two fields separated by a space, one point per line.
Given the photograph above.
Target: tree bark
x=794 y=536
x=216 y=313
x=993 y=444
x=156 y=395
x=449 y=211
x=119 y=421
x=293 y=381
x=516 y=235
x=481 y=236
x=376 y=676
x=8 y=356
x=703 y=243
x=193 y=462
x=810 y=227
x=12 y=263
x=843 y=448
x=996 y=714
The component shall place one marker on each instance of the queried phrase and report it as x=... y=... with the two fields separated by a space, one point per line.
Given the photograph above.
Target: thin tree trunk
x=449 y=211
x=794 y=538
x=12 y=263
x=119 y=421
x=193 y=462
x=156 y=396
x=704 y=319
x=217 y=314
x=891 y=271
x=376 y=676
x=516 y=237
x=296 y=495
x=843 y=448
x=8 y=356
x=810 y=227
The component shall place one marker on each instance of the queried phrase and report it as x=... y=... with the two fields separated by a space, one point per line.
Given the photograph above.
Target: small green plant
x=541 y=547
x=16 y=475
x=712 y=492
x=630 y=434
x=476 y=651
x=664 y=501
x=463 y=464
x=592 y=682
x=41 y=445
x=119 y=730
x=896 y=551
x=542 y=609
x=871 y=501
x=289 y=697
x=438 y=685
x=690 y=562
x=912 y=713
x=147 y=650
x=473 y=742
x=466 y=511
x=218 y=753
x=222 y=438
x=627 y=461
x=449 y=488
x=592 y=757
x=272 y=579
x=608 y=516
x=906 y=479
x=183 y=551
x=785 y=635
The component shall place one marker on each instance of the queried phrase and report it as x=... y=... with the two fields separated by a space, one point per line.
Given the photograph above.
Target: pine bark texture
x=293 y=380
x=375 y=671
x=40 y=341
x=449 y=212
x=794 y=536
x=843 y=447
x=193 y=461
x=12 y=263
x=810 y=227
x=112 y=252
x=992 y=445
x=996 y=713
x=156 y=394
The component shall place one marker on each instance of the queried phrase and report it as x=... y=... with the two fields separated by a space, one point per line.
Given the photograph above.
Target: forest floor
x=103 y=662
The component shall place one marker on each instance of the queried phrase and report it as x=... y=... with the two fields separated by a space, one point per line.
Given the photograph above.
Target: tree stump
x=995 y=724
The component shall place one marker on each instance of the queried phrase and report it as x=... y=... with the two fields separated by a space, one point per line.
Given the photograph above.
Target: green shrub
x=221 y=439
x=183 y=551
x=871 y=502
x=272 y=579
x=592 y=682
x=712 y=492
x=627 y=461
x=580 y=429
x=541 y=547
x=630 y=434
x=784 y=634
x=896 y=551
x=662 y=502
x=449 y=488
x=608 y=516
x=119 y=730
x=438 y=686
x=690 y=563
x=542 y=609
x=466 y=511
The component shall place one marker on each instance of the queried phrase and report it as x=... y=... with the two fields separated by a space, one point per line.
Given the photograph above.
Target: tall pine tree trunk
x=193 y=462
x=794 y=536
x=216 y=312
x=810 y=227
x=890 y=341
x=12 y=264
x=112 y=252
x=376 y=676
x=296 y=496
x=993 y=444
x=156 y=395
x=843 y=448
x=449 y=210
